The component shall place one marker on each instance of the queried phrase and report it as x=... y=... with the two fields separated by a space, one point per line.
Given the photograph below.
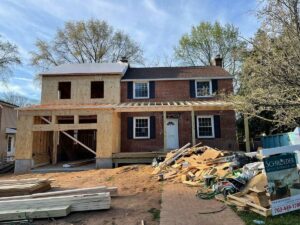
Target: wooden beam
x=247 y=136
x=72 y=138
x=193 y=127
x=55 y=143
x=165 y=129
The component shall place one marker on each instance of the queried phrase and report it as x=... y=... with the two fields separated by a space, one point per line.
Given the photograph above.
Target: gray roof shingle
x=176 y=72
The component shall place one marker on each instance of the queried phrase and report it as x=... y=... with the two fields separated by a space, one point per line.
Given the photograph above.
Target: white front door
x=10 y=147
x=172 y=133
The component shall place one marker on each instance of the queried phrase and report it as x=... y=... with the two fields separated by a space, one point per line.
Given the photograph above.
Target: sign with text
x=283 y=182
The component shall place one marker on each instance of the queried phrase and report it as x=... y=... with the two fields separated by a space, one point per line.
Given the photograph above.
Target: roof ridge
x=162 y=67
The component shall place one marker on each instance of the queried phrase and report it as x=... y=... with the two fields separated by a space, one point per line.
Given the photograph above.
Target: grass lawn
x=292 y=218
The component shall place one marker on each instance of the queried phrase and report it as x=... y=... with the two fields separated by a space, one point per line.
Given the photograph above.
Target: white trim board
x=279 y=150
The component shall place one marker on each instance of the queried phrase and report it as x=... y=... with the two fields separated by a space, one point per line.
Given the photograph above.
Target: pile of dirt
x=139 y=194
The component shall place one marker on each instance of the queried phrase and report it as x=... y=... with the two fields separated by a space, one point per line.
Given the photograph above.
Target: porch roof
x=138 y=106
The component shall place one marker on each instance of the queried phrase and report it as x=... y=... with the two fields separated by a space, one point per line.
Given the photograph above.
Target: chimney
x=124 y=59
x=218 y=61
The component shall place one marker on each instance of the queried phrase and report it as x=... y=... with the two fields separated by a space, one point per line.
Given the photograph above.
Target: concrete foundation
x=22 y=166
x=103 y=163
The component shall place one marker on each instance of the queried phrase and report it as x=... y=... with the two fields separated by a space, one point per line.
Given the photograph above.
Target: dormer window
x=140 y=90
x=203 y=88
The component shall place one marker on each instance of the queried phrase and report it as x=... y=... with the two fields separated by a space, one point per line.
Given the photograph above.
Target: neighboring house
x=113 y=108
x=8 y=124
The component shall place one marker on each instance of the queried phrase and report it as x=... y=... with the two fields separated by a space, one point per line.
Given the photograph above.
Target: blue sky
x=156 y=24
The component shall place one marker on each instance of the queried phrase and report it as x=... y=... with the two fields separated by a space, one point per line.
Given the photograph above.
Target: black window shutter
x=214 y=84
x=130 y=90
x=152 y=127
x=130 y=127
x=192 y=89
x=152 y=89
x=217 y=126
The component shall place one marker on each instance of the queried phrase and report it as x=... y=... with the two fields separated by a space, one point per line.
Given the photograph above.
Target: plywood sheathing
x=108 y=135
x=24 y=139
x=81 y=89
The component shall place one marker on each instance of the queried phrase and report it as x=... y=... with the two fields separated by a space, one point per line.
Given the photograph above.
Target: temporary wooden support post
x=55 y=143
x=193 y=127
x=72 y=138
x=165 y=129
x=247 y=136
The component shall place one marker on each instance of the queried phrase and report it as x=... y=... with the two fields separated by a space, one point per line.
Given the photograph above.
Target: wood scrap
x=23 y=187
x=190 y=165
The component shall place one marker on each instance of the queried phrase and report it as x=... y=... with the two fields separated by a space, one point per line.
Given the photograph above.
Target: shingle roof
x=87 y=68
x=176 y=72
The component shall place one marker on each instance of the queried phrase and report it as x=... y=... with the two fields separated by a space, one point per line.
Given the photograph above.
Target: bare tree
x=91 y=41
x=9 y=56
x=16 y=99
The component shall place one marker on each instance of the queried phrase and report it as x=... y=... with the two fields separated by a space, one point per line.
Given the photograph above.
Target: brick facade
x=175 y=90
x=227 y=141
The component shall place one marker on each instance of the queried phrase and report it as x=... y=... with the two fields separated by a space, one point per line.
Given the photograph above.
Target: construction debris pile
x=26 y=203
x=235 y=178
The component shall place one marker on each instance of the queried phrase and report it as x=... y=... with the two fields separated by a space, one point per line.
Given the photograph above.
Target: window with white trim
x=9 y=143
x=141 y=127
x=203 y=88
x=140 y=90
x=205 y=127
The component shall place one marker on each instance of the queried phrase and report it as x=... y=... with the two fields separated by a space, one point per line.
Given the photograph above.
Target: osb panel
x=24 y=137
x=81 y=89
x=42 y=147
x=108 y=134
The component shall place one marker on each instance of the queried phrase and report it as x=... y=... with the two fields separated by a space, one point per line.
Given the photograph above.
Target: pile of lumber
x=56 y=203
x=191 y=165
x=23 y=186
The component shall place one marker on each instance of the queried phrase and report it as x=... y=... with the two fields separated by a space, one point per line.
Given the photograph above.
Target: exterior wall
x=175 y=90
x=142 y=145
x=226 y=142
x=8 y=119
x=81 y=89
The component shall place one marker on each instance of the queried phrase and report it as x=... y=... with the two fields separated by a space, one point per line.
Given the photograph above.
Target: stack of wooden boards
x=191 y=165
x=23 y=187
x=56 y=203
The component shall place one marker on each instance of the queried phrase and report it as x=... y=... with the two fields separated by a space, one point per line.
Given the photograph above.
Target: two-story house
x=98 y=110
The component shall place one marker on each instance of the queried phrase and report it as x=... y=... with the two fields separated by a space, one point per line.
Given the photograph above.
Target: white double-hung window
x=140 y=90
x=205 y=127
x=203 y=88
x=141 y=127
